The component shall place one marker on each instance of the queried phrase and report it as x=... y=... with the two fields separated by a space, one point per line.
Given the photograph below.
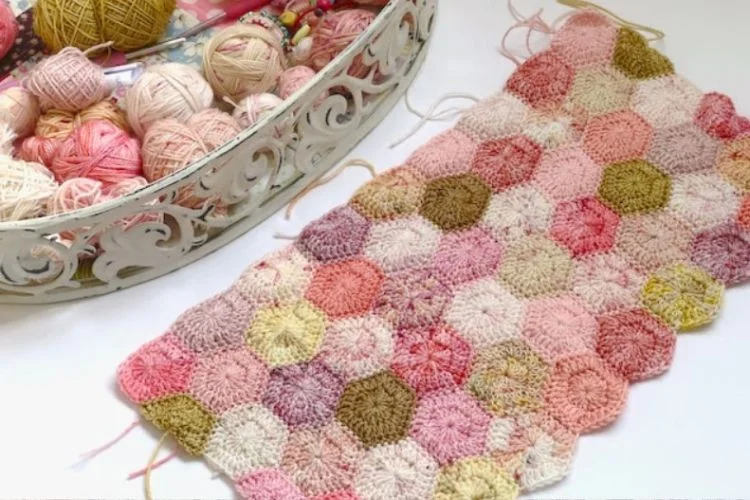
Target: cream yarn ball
x=214 y=127
x=170 y=90
x=25 y=189
x=244 y=59
x=19 y=109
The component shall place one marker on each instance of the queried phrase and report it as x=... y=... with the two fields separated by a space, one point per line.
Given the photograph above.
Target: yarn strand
x=322 y=181
x=582 y=4
x=91 y=454
x=430 y=115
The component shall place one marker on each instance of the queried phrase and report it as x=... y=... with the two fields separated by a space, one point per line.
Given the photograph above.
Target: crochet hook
x=230 y=13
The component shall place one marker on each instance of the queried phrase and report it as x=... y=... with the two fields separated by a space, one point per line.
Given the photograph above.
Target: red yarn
x=98 y=150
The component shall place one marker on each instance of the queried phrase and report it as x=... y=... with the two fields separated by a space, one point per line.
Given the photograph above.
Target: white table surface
x=685 y=434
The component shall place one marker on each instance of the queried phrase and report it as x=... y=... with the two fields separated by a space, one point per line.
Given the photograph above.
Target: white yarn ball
x=25 y=189
x=19 y=109
x=254 y=108
x=170 y=90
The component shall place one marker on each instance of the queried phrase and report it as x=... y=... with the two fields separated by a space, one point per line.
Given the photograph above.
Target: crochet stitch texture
x=454 y=329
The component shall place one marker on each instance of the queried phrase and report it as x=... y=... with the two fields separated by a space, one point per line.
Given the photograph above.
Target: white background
x=685 y=434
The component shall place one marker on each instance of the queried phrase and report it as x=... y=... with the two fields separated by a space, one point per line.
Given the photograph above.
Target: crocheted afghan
x=452 y=330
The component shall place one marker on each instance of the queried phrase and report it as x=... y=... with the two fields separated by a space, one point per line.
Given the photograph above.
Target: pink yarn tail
x=154 y=466
x=91 y=454
x=533 y=23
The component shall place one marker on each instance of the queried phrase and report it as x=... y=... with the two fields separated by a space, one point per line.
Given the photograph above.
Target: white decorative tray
x=249 y=178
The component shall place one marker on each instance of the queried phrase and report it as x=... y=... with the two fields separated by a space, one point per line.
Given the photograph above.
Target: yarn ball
x=214 y=127
x=39 y=149
x=171 y=90
x=244 y=59
x=125 y=186
x=129 y=24
x=75 y=194
x=68 y=81
x=334 y=33
x=59 y=124
x=293 y=79
x=19 y=109
x=8 y=29
x=98 y=150
x=24 y=189
x=255 y=107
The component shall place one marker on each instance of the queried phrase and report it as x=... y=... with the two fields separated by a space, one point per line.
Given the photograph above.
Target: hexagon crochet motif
x=453 y=330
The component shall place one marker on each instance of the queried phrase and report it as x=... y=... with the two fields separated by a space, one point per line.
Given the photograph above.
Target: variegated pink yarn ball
x=39 y=149
x=68 y=81
x=293 y=79
x=75 y=194
x=255 y=107
x=214 y=127
x=100 y=151
x=334 y=34
x=8 y=29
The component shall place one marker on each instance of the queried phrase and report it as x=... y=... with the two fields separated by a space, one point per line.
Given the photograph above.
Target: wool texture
x=452 y=330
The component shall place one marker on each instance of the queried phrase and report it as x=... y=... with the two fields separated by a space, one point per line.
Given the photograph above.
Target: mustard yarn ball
x=129 y=24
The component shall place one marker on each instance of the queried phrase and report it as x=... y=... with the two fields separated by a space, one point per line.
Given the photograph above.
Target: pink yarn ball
x=214 y=127
x=124 y=188
x=255 y=107
x=334 y=34
x=39 y=150
x=75 y=194
x=293 y=79
x=8 y=28
x=98 y=150
x=68 y=81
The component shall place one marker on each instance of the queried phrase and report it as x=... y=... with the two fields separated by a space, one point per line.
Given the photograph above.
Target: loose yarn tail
x=91 y=454
x=585 y=4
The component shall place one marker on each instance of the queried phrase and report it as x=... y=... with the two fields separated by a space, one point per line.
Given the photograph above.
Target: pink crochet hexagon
x=218 y=323
x=304 y=395
x=432 y=358
x=321 y=460
x=558 y=327
x=450 y=425
x=616 y=137
x=160 y=368
x=724 y=252
x=413 y=298
x=584 y=226
x=345 y=288
x=543 y=81
x=718 y=117
x=268 y=484
x=448 y=153
x=635 y=344
x=339 y=234
x=506 y=162
x=560 y=165
x=584 y=394
x=586 y=39
x=466 y=256
x=228 y=379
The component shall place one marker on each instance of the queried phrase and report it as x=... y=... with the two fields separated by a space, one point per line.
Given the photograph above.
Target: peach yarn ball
x=8 y=29
x=170 y=90
x=244 y=59
x=59 y=124
x=293 y=79
x=75 y=194
x=254 y=108
x=39 y=149
x=19 y=109
x=68 y=81
x=214 y=127
x=24 y=189
x=100 y=151
x=334 y=33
